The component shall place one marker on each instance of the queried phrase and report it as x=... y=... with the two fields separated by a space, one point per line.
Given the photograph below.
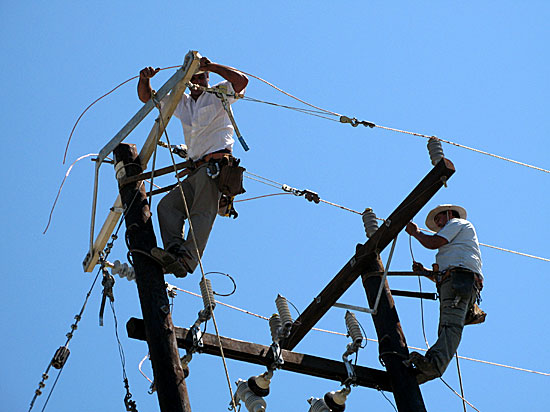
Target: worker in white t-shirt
x=208 y=133
x=459 y=279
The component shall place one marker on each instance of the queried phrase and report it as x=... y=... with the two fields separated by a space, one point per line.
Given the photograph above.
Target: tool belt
x=224 y=169
x=460 y=282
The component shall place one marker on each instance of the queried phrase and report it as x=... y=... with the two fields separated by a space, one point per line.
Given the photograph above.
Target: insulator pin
x=275 y=326
x=370 y=222
x=435 y=150
x=354 y=330
x=284 y=313
x=60 y=357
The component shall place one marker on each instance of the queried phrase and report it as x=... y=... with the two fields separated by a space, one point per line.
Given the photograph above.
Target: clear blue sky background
x=473 y=73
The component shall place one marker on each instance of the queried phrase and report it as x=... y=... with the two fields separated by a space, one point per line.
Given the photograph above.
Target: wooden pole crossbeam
x=262 y=355
x=412 y=204
x=157 y=173
x=176 y=84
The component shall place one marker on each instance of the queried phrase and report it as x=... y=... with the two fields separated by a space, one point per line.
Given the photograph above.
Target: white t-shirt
x=206 y=125
x=462 y=249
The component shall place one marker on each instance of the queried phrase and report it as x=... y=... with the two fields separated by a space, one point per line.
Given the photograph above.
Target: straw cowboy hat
x=443 y=208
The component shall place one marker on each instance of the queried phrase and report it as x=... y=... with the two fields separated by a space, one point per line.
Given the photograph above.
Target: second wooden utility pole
x=392 y=346
x=155 y=307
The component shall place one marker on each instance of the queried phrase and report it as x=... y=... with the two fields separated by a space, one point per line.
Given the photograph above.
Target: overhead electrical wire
x=399 y=130
x=501 y=365
x=273 y=183
x=317 y=112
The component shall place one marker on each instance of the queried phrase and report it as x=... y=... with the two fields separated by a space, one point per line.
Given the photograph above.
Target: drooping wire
x=61 y=187
x=260 y=197
x=460 y=381
x=403 y=131
x=457 y=394
x=288 y=94
x=130 y=404
x=388 y=399
x=421 y=300
x=97 y=100
x=230 y=278
x=315 y=113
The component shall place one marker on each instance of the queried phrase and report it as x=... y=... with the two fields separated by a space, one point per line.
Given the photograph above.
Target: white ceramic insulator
x=252 y=402
x=207 y=294
x=284 y=312
x=370 y=222
x=318 y=405
x=353 y=328
x=340 y=397
x=275 y=326
x=435 y=150
x=123 y=270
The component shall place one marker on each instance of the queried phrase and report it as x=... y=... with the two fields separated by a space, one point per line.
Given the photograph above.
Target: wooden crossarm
x=260 y=355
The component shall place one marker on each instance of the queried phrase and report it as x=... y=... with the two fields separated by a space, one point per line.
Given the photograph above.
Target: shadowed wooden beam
x=261 y=355
x=394 y=224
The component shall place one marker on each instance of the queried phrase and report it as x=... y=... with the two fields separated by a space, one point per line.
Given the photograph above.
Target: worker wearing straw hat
x=459 y=280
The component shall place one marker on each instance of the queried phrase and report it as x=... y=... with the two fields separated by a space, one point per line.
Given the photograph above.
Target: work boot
x=171 y=262
x=426 y=370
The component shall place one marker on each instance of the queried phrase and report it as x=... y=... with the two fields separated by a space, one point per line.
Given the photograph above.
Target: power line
x=501 y=365
x=281 y=186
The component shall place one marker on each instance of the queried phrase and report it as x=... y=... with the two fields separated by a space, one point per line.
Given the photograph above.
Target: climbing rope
x=192 y=232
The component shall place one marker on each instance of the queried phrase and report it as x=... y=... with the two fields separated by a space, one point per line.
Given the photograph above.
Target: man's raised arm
x=236 y=78
x=144 y=85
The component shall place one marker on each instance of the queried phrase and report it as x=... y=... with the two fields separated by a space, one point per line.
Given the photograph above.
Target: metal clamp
x=354 y=122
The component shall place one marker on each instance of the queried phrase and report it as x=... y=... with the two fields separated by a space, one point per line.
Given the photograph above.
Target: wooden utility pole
x=155 y=307
x=392 y=346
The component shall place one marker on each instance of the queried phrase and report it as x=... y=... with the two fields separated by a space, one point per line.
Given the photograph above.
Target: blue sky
x=471 y=73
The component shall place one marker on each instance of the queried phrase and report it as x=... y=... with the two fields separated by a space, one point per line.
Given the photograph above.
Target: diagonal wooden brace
x=394 y=224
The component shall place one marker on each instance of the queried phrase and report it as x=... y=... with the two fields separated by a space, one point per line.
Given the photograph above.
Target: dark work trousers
x=202 y=197
x=452 y=314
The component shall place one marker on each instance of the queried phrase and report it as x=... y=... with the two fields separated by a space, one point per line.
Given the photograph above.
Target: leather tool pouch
x=462 y=282
x=230 y=179
x=475 y=315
